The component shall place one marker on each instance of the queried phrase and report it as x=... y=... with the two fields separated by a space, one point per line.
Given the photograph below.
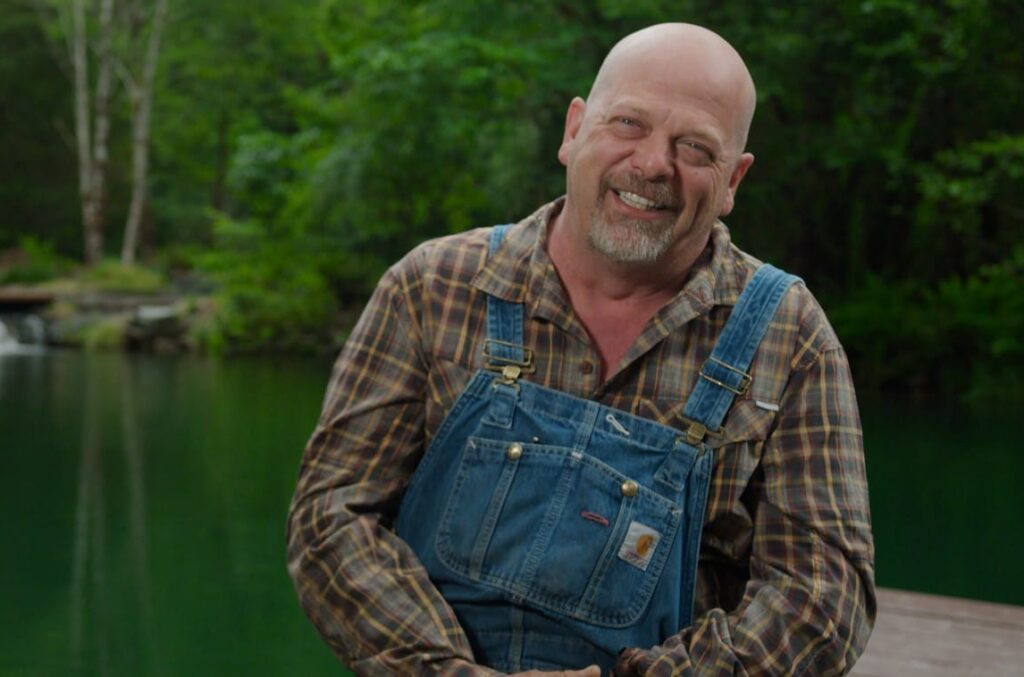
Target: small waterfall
x=21 y=333
x=35 y=330
x=7 y=341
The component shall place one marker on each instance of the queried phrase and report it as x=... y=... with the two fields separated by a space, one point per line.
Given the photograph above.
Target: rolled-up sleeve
x=362 y=586
x=809 y=604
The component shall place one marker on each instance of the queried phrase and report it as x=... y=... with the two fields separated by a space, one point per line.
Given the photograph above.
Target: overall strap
x=724 y=375
x=504 y=343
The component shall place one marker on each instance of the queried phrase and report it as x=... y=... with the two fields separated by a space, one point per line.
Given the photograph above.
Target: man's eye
x=696 y=153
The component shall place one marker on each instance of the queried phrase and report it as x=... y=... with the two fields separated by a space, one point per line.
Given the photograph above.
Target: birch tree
x=93 y=151
x=140 y=89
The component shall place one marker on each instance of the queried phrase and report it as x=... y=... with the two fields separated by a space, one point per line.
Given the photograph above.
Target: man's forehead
x=680 y=58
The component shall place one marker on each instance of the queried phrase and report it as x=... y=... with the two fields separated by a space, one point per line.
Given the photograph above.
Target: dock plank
x=918 y=634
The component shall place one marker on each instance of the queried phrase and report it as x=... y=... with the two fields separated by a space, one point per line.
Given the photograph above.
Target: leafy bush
x=272 y=296
x=113 y=276
x=108 y=333
x=35 y=261
x=964 y=335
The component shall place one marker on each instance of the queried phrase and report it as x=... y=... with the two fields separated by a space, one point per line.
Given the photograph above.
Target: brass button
x=515 y=450
x=586 y=367
x=629 y=488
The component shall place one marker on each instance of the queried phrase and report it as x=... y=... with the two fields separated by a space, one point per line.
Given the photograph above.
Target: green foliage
x=965 y=335
x=272 y=294
x=301 y=147
x=105 y=334
x=114 y=276
x=968 y=213
x=35 y=261
x=38 y=189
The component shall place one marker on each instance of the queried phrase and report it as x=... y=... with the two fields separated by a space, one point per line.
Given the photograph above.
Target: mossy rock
x=106 y=333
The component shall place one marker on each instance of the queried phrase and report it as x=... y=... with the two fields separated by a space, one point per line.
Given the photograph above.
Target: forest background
x=296 y=148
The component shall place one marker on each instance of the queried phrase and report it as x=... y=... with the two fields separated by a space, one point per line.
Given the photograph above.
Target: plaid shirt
x=785 y=579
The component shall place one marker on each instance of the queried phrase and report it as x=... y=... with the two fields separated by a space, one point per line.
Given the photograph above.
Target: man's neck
x=614 y=302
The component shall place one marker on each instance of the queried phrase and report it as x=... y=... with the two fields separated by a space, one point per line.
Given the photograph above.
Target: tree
x=141 y=95
x=92 y=157
x=123 y=43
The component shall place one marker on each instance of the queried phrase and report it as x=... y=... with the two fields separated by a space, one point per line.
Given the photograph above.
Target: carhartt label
x=639 y=546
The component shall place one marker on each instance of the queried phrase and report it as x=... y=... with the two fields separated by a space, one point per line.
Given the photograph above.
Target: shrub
x=35 y=261
x=113 y=276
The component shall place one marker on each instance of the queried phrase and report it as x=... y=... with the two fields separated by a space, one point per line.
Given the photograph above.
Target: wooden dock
x=917 y=634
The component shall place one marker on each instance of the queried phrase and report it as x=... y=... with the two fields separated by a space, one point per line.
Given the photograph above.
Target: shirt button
x=629 y=488
x=514 y=451
x=586 y=367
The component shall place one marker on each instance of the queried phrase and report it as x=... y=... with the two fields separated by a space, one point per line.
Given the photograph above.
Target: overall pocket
x=558 y=529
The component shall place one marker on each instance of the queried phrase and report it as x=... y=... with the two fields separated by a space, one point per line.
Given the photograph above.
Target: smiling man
x=603 y=436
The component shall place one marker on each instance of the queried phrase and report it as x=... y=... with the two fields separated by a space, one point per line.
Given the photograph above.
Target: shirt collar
x=521 y=272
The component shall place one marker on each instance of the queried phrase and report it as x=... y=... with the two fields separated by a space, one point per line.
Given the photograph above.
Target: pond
x=144 y=505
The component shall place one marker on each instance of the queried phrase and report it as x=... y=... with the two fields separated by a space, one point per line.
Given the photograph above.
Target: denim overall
x=561 y=530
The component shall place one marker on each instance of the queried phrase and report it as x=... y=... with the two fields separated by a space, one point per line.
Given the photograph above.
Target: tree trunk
x=92 y=149
x=142 y=103
x=101 y=137
x=93 y=234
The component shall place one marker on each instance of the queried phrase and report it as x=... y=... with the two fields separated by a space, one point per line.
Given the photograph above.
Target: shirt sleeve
x=809 y=604
x=361 y=585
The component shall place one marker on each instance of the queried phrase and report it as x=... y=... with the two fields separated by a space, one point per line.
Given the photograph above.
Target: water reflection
x=89 y=536
x=142 y=516
x=108 y=387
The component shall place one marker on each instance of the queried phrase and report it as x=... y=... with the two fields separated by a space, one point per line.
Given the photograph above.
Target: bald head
x=683 y=51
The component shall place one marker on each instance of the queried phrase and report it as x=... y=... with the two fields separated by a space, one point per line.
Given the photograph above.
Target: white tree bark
x=92 y=148
x=142 y=105
x=80 y=65
x=101 y=137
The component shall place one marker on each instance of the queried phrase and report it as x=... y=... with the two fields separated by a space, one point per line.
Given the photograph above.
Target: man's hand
x=592 y=671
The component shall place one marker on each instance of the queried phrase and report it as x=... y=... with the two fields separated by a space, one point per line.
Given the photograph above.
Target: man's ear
x=573 y=122
x=738 y=172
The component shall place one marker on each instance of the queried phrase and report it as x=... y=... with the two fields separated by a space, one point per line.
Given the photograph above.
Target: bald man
x=602 y=438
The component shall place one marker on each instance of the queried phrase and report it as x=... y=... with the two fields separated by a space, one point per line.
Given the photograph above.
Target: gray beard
x=627 y=241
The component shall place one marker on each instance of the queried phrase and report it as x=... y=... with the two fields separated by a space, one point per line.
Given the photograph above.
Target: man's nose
x=653 y=158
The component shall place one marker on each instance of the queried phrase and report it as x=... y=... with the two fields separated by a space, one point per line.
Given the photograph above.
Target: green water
x=143 y=507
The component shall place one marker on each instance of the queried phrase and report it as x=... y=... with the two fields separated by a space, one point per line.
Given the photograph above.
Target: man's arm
x=809 y=605
x=361 y=585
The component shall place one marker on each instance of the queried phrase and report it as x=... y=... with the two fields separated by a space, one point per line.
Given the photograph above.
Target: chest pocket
x=558 y=528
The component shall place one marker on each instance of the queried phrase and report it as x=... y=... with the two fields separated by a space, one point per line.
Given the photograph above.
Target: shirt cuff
x=633 y=662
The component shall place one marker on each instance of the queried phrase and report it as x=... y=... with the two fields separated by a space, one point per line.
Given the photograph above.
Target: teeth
x=637 y=201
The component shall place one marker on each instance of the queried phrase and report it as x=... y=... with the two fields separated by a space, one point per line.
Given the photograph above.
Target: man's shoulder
x=460 y=257
x=453 y=255
x=800 y=320
x=456 y=258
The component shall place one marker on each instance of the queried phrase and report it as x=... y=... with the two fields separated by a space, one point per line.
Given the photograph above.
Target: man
x=604 y=436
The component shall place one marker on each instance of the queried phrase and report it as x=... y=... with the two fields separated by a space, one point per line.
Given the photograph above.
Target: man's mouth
x=639 y=201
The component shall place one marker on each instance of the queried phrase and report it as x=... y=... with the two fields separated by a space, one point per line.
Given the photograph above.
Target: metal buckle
x=509 y=377
x=697 y=432
x=745 y=378
x=498 y=363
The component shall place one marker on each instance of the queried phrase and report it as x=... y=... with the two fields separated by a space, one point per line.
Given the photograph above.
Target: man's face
x=652 y=161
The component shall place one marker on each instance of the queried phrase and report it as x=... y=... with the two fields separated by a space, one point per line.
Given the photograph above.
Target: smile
x=639 y=201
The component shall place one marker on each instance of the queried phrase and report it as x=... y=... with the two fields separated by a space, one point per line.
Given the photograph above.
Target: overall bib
x=561 y=530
